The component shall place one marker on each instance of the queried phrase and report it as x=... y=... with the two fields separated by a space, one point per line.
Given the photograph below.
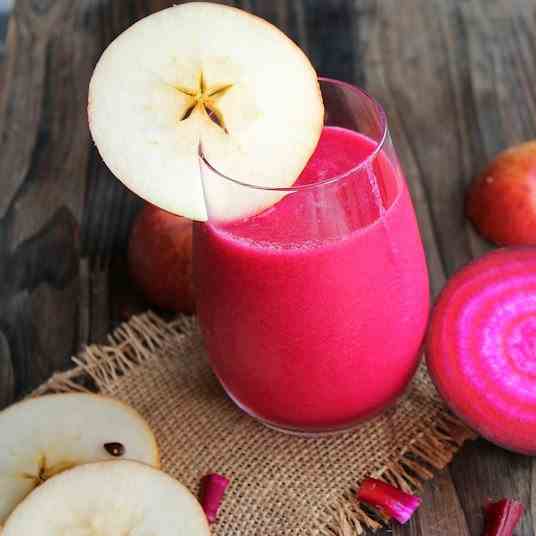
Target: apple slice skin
x=140 y=107
x=40 y=437
x=112 y=497
x=481 y=347
x=501 y=201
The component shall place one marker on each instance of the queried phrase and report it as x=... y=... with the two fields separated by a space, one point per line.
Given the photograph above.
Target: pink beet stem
x=213 y=488
x=388 y=500
x=502 y=517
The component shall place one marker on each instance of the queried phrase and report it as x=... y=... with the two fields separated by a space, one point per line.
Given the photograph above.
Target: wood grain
x=42 y=169
x=456 y=77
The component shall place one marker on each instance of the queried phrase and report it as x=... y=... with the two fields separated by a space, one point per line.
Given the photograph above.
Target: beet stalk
x=213 y=488
x=389 y=500
x=502 y=517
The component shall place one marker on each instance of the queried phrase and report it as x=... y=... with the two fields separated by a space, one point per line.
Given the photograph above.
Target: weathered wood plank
x=5 y=11
x=328 y=30
x=7 y=376
x=430 y=65
x=44 y=150
x=62 y=218
x=498 y=41
x=483 y=471
x=441 y=513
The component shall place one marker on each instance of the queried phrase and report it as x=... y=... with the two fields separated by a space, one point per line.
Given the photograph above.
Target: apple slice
x=210 y=74
x=43 y=436
x=109 y=499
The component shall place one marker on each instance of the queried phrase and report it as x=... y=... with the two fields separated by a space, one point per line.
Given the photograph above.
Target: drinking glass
x=313 y=309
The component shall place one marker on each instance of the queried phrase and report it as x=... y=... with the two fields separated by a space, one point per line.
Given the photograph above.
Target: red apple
x=501 y=202
x=160 y=259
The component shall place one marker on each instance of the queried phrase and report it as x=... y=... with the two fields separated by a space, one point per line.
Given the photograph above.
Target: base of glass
x=309 y=432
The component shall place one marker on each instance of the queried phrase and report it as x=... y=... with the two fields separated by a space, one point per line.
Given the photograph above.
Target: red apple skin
x=501 y=202
x=160 y=259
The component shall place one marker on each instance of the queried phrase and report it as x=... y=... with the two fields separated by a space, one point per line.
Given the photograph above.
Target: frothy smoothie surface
x=314 y=310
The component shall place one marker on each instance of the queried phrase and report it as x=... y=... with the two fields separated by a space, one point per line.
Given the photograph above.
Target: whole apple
x=160 y=259
x=501 y=202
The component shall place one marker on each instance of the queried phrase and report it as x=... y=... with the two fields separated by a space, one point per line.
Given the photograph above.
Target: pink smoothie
x=313 y=311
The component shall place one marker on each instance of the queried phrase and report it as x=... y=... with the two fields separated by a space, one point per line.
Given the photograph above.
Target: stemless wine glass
x=313 y=310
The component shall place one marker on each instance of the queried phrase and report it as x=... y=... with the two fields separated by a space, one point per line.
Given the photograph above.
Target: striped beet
x=481 y=347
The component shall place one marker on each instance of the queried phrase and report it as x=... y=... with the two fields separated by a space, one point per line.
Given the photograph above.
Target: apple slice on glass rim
x=109 y=498
x=209 y=74
x=42 y=437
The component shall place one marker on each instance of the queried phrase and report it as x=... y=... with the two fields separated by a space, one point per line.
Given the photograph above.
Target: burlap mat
x=281 y=485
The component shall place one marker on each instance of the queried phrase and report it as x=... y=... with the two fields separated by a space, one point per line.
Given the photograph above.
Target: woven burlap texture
x=281 y=485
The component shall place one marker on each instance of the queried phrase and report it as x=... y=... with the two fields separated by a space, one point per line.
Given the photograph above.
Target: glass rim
x=329 y=180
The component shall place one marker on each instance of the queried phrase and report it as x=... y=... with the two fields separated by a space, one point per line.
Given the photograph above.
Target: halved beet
x=481 y=347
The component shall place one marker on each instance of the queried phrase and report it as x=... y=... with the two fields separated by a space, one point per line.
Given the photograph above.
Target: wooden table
x=458 y=81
